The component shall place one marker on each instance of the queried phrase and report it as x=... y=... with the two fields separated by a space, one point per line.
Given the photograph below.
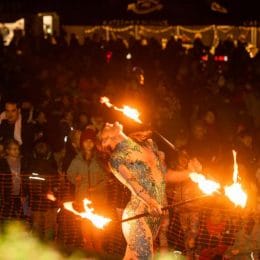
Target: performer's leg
x=139 y=240
x=163 y=240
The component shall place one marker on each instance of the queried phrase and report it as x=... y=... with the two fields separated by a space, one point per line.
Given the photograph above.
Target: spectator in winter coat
x=87 y=173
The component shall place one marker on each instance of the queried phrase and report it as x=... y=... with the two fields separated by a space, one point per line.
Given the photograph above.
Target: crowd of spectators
x=51 y=114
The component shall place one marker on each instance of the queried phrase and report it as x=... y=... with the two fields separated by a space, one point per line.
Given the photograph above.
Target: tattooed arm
x=126 y=178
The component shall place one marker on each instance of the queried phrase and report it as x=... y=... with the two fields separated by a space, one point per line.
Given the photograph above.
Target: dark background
x=240 y=12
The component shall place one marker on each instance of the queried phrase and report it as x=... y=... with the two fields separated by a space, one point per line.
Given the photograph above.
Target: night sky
x=96 y=12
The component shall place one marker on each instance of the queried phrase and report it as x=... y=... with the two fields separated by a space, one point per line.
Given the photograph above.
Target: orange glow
x=106 y=101
x=207 y=186
x=235 y=171
x=97 y=220
x=50 y=196
x=126 y=110
x=235 y=192
x=131 y=113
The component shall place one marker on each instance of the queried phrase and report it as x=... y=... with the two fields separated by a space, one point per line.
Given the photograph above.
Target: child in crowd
x=12 y=168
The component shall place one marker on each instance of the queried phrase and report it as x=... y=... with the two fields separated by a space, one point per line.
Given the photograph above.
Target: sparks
x=206 y=186
x=235 y=192
x=97 y=220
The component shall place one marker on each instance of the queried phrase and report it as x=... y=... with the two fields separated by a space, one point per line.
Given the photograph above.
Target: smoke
x=17 y=243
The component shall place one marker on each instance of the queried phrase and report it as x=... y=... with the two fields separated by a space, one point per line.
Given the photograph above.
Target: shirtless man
x=141 y=169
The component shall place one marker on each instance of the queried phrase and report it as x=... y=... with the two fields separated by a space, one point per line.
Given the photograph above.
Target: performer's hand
x=154 y=208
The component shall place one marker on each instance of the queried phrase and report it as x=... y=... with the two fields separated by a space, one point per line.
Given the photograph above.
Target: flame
x=131 y=113
x=207 y=186
x=106 y=101
x=97 y=220
x=235 y=192
x=50 y=196
x=126 y=110
x=235 y=171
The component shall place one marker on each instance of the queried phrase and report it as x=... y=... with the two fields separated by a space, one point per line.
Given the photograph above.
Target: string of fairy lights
x=187 y=33
x=163 y=29
x=139 y=31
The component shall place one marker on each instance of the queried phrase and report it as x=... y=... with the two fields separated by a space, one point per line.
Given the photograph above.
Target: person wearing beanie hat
x=88 y=134
x=87 y=174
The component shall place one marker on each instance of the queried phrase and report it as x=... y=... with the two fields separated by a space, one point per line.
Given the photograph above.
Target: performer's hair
x=141 y=136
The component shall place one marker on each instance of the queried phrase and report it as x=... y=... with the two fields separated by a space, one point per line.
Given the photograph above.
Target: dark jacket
x=27 y=134
x=41 y=132
x=43 y=179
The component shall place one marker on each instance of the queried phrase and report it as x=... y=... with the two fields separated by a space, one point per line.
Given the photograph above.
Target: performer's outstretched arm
x=176 y=176
x=179 y=176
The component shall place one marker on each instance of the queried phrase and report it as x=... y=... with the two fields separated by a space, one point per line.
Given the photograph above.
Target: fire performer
x=140 y=168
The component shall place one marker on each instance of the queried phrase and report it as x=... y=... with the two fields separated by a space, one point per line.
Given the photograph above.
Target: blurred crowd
x=206 y=104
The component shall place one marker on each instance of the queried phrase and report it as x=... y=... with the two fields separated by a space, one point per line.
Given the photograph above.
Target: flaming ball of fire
x=97 y=220
x=106 y=101
x=207 y=186
x=235 y=192
x=126 y=110
x=131 y=112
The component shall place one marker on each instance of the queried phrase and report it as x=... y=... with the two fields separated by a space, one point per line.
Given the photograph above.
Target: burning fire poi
x=235 y=192
x=126 y=110
x=97 y=220
x=207 y=186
